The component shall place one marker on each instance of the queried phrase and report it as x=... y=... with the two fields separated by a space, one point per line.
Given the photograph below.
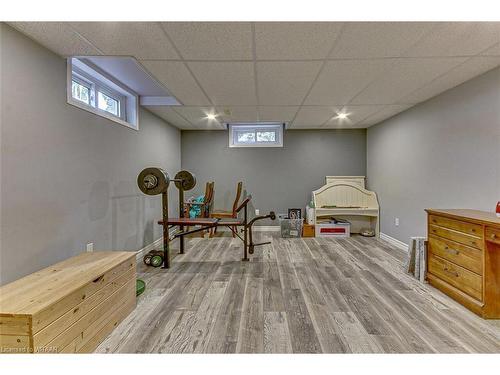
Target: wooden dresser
x=69 y=307
x=464 y=258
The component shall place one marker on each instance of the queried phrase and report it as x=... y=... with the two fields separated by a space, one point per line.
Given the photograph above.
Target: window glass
x=266 y=136
x=80 y=92
x=108 y=104
x=246 y=137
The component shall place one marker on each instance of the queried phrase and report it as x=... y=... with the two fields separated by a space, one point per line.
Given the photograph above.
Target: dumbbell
x=154 y=258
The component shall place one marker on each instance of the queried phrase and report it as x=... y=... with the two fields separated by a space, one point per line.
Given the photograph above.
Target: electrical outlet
x=90 y=247
x=396 y=221
x=257 y=212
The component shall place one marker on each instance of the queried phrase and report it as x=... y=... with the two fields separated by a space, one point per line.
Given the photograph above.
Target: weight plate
x=147 y=259
x=153 y=181
x=188 y=180
x=156 y=260
x=140 y=285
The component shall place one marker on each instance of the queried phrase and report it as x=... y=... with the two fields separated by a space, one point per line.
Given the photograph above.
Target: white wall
x=277 y=177
x=68 y=177
x=443 y=153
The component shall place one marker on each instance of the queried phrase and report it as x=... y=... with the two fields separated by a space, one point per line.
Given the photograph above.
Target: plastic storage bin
x=333 y=229
x=290 y=228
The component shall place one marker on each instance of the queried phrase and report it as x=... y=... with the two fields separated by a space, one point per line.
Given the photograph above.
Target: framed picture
x=295 y=213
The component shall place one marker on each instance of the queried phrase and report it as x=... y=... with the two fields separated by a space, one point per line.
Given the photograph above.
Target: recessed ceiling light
x=211 y=116
x=341 y=116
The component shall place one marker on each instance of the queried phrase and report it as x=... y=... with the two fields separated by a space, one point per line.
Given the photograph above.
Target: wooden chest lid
x=22 y=297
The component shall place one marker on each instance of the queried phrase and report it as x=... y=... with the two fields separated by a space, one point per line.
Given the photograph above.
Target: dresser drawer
x=456 y=236
x=459 y=277
x=467 y=257
x=460 y=226
x=493 y=235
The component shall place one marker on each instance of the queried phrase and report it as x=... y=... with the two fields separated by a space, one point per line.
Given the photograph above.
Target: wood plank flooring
x=309 y=295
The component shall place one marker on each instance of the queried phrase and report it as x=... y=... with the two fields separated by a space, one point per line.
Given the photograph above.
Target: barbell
x=153 y=181
x=185 y=180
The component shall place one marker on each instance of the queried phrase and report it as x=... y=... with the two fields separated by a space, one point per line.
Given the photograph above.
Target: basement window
x=96 y=91
x=256 y=134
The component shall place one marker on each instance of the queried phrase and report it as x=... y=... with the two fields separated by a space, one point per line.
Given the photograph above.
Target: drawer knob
x=493 y=236
x=451 y=272
x=451 y=251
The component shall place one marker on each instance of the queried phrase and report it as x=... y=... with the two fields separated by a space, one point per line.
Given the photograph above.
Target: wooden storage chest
x=70 y=307
x=464 y=258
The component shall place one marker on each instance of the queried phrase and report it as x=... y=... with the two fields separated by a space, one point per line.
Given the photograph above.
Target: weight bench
x=154 y=181
x=208 y=223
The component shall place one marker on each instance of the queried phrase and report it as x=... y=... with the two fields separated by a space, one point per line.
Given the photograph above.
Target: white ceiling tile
x=197 y=116
x=341 y=80
x=360 y=63
x=468 y=70
x=313 y=116
x=144 y=40
x=493 y=51
x=238 y=114
x=378 y=39
x=295 y=40
x=170 y=116
x=211 y=40
x=457 y=39
x=355 y=114
x=285 y=83
x=58 y=37
x=406 y=76
x=384 y=113
x=278 y=113
x=178 y=80
x=226 y=83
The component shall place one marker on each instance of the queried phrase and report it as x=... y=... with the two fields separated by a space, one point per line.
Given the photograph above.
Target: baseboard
x=255 y=228
x=157 y=244
x=266 y=228
x=394 y=242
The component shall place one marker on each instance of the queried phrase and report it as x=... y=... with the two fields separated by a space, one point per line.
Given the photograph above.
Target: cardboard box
x=308 y=230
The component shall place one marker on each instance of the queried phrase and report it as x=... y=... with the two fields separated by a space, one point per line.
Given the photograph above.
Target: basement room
x=248 y=186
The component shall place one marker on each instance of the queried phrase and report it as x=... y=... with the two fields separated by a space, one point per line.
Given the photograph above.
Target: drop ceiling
x=302 y=73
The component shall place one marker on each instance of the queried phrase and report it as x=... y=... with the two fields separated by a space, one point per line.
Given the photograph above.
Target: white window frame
x=255 y=127
x=99 y=81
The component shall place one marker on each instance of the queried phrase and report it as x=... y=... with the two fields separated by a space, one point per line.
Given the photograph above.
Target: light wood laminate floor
x=309 y=295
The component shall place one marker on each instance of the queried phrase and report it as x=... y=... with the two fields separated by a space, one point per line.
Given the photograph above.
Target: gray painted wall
x=68 y=177
x=444 y=153
x=277 y=178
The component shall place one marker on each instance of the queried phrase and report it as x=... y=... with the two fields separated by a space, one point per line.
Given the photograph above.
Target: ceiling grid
x=301 y=73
